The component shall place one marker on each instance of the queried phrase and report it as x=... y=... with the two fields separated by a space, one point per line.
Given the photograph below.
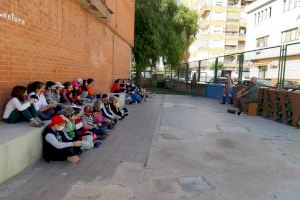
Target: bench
x=21 y=146
x=252 y=109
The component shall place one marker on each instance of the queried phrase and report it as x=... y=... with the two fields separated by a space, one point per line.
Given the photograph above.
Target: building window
x=219 y=3
x=262 y=42
x=262 y=15
x=290 y=35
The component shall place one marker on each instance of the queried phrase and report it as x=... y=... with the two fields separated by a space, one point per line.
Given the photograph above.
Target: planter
x=274 y=105
x=283 y=100
x=260 y=100
x=266 y=104
x=295 y=107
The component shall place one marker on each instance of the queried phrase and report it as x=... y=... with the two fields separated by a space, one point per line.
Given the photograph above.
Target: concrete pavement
x=176 y=147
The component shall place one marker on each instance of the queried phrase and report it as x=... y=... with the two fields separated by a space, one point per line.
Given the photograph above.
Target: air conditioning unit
x=98 y=8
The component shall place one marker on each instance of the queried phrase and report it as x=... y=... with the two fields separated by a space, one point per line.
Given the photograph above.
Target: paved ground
x=198 y=152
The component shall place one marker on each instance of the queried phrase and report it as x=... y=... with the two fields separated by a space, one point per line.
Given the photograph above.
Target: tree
x=163 y=29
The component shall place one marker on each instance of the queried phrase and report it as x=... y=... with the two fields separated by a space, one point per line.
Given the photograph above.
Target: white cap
x=59 y=85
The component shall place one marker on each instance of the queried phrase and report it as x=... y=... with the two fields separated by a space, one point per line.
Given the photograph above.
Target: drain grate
x=196 y=184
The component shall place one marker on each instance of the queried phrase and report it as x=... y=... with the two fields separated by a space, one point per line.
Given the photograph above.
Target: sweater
x=14 y=104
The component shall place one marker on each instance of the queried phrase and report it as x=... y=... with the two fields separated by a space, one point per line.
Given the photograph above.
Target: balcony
x=97 y=8
x=242 y=37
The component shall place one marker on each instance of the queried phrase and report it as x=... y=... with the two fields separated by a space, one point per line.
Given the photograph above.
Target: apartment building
x=222 y=30
x=272 y=23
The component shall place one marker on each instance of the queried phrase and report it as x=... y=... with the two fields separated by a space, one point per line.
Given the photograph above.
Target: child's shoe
x=34 y=123
x=97 y=143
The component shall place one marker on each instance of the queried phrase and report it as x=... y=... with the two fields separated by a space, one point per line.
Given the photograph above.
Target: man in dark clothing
x=247 y=95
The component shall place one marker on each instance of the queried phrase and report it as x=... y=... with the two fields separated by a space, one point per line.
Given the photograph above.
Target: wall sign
x=12 y=17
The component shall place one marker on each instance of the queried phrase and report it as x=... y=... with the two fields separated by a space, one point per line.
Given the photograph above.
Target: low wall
x=19 y=151
x=185 y=87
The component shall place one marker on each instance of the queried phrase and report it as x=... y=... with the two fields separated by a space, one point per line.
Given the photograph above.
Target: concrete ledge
x=20 y=147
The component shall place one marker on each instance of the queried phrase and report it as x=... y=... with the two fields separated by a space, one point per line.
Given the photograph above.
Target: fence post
x=187 y=73
x=216 y=71
x=283 y=65
x=279 y=68
x=241 y=63
x=199 y=71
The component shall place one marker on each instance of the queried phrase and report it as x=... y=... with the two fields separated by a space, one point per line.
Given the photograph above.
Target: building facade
x=222 y=30
x=272 y=23
x=60 y=40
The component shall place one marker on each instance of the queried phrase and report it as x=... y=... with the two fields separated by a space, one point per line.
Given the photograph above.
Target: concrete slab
x=198 y=152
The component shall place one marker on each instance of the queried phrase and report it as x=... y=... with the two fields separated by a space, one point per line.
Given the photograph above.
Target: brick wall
x=61 y=41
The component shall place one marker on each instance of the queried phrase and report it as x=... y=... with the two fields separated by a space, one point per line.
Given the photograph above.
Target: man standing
x=228 y=89
x=247 y=95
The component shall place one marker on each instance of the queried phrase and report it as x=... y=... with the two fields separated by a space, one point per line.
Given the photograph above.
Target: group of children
x=40 y=101
x=80 y=118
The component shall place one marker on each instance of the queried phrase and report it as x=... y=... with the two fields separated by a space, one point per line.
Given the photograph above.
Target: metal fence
x=277 y=66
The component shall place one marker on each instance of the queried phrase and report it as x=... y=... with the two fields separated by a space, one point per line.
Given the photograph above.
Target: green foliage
x=163 y=29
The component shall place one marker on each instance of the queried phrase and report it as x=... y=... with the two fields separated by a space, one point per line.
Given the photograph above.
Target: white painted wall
x=273 y=27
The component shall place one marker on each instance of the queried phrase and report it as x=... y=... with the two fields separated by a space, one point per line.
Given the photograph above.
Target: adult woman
x=19 y=109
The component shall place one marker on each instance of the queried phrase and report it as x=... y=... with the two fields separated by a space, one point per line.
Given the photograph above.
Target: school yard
x=175 y=147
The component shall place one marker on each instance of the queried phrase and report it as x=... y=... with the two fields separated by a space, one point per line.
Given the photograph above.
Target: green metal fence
x=277 y=66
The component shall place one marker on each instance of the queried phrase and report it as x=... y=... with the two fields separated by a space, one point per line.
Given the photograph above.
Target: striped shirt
x=88 y=120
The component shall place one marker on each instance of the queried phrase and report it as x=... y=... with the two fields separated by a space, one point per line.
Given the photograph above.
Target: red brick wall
x=61 y=41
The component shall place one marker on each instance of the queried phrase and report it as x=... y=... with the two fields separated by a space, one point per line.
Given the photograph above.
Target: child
x=52 y=95
x=66 y=93
x=55 y=145
x=70 y=129
x=90 y=88
x=98 y=116
x=105 y=109
x=44 y=110
x=89 y=123
x=116 y=111
x=116 y=87
x=84 y=89
x=18 y=109
x=119 y=105
x=76 y=93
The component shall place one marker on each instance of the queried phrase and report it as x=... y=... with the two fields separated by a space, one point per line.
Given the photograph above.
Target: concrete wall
x=185 y=87
x=19 y=152
x=59 y=40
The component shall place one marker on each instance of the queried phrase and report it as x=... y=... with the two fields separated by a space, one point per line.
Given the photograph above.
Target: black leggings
x=63 y=154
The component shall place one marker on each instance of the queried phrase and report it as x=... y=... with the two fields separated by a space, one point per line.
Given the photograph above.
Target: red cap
x=57 y=119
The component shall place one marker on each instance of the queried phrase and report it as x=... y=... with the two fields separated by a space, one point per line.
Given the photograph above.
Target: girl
x=44 y=110
x=90 y=88
x=76 y=93
x=70 y=129
x=116 y=111
x=66 y=94
x=89 y=123
x=98 y=116
x=18 y=109
x=52 y=95
x=55 y=145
